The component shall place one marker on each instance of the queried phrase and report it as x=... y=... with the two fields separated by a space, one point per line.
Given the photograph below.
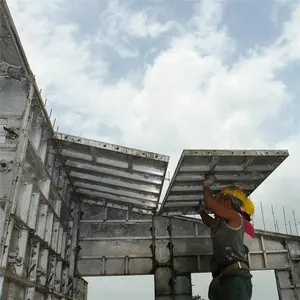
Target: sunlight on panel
x=121 y=287
x=261 y=280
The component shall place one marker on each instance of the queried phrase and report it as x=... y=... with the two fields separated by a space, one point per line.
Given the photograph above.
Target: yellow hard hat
x=235 y=193
x=249 y=207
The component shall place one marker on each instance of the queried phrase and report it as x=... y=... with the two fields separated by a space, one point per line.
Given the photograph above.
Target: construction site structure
x=72 y=207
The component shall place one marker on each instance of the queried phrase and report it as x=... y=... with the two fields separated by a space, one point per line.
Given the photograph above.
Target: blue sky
x=202 y=74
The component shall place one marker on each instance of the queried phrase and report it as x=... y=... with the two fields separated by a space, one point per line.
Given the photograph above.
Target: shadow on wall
x=261 y=280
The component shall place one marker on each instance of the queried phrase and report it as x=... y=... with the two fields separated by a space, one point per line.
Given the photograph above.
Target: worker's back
x=228 y=245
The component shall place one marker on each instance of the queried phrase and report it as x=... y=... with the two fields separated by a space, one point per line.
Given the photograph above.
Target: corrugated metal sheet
x=114 y=176
x=245 y=168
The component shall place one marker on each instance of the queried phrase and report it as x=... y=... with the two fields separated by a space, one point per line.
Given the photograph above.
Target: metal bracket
x=11 y=132
x=5 y=166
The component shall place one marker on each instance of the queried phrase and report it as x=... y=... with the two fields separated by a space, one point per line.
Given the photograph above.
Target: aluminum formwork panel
x=111 y=245
x=28 y=196
x=244 y=168
x=80 y=289
x=113 y=175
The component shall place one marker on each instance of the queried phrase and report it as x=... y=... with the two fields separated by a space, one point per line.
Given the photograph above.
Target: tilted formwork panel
x=113 y=175
x=37 y=207
x=244 y=168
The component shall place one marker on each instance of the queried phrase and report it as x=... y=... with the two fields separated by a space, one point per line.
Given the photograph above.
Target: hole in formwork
x=129 y=287
x=200 y=284
x=156 y=156
x=117 y=148
x=267 y=152
x=104 y=145
x=3 y=165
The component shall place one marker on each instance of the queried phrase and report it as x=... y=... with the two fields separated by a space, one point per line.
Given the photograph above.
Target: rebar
x=262 y=213
x=285 y=224
x=296 y=227
x=274 y=221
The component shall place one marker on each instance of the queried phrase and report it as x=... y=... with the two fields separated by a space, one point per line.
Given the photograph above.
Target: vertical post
x=290 y=227
x=284 y=218
x=287 y=279
x=162 y=261
x=74 y=249
x=295 y=222
x=274 y=222
x=7 y=221
x=15 y=111
x=169 y=285
x=277 y=226
x=262 y=214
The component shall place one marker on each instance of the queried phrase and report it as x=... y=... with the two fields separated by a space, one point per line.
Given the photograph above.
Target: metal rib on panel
x=113 y=175
x=244 y=168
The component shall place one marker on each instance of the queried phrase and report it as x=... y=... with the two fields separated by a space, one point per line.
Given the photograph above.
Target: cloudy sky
x=164 y=75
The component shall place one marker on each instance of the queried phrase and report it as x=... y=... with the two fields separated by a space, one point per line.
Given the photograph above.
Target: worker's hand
x=209 y=180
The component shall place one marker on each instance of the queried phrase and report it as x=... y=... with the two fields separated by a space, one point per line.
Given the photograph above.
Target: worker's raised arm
x=208 y=220
x=216 y=206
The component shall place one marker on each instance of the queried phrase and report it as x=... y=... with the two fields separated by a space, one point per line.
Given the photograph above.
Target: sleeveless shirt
x=228 y=245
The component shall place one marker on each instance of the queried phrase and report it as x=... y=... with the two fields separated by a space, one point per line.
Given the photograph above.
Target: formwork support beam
x=288 y=280
x=168 y=284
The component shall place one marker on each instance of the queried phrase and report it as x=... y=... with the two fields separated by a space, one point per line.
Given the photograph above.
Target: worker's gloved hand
x=209 y=180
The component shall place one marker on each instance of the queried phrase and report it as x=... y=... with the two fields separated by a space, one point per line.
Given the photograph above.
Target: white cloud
x=119 y=23
x=190 y=96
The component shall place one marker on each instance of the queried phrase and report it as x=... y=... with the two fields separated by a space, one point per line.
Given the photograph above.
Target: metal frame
x=114 y=242
x=244 y=168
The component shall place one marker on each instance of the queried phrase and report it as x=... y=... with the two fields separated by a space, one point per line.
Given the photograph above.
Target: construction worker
x=247 y=212
x=248 y=209
x=230 y=270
